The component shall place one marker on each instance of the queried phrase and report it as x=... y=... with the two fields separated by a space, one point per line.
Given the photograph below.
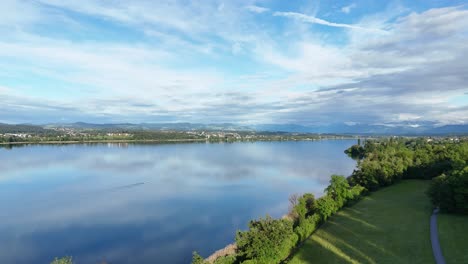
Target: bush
x=355 y=152
x=355 y=193
x=450 y=192
x=440 y=193
x=305 y=205
x=231 y=259
x=338 y=190
x=197 y=259
x=64 y=260
x=459 y=183
x=267 y=241
x=325 y=207
x=307 y=226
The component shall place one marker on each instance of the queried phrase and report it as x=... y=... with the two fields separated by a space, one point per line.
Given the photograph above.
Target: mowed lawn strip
x=389 y=226
x=453 y=237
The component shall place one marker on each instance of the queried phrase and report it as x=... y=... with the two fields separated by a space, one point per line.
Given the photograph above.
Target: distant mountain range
x=393 y=129
x=151 y=126
x=426 y=128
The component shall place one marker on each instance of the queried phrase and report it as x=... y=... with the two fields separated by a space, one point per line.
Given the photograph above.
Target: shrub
x=267 y=241
x=197 y=259
x=440 y=193
x=355 y=193
x=307 y=226
x=305 y=205
x=450 y=192
x=325 y=207
x=64 y=260
x=225 y=255
x=459 y=183
x=355 y=152
x=230 y=259
x=338 y=190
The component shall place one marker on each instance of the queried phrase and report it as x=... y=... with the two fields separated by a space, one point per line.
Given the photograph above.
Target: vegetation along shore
x=387 y=226
x=29 y=134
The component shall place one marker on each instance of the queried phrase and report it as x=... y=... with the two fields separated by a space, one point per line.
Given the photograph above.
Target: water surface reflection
x=149 y=203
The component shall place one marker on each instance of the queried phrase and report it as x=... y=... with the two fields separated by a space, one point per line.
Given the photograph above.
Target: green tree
x=325 y=206
x=305 y=205
x=197 y=259
x=450 y=192
x=267 y=241
x=338 y=190
x=64 y=260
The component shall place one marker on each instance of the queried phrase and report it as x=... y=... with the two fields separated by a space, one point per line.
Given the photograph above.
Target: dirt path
x=439 y=258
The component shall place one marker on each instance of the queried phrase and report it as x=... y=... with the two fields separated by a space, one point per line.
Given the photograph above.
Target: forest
x=385 y=162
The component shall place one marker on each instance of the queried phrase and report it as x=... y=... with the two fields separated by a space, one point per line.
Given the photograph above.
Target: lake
x=150 y=203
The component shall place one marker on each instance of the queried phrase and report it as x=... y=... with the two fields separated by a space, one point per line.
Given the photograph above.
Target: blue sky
x=243 y=61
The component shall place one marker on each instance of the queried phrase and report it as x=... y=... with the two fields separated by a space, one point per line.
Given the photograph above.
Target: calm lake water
x=149 y=203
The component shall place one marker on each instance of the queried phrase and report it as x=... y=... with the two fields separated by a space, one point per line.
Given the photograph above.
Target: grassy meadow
x=453 y=237
x=389 y=226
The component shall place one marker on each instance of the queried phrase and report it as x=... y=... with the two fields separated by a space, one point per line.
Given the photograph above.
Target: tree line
x=380 y=163
x=444 y=161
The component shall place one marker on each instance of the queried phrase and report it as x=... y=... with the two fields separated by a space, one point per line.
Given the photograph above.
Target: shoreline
x=102 y=141
x=156 y=141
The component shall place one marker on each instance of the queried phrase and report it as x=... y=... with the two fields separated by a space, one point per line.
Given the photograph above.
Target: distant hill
x=21 y=128
x=450 y=129
x=424 y=128
x=151 y=126
x=367 y=129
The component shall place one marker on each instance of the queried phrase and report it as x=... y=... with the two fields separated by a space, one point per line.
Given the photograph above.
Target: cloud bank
x=242 y=62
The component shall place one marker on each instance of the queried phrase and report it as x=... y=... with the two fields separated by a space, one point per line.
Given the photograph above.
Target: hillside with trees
x=381 y=163
x=445 y=162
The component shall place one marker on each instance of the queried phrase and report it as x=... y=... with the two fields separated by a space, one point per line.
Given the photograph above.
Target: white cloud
x=207 y=18
x=347 y=9
x=410 y=73
x=128 y=71
x=315 y=20
x=178 y=71
x=4 y=89
x=317 y=63
x=16 y=14
x=407 y=117
x=257 y=9
x=351 y=123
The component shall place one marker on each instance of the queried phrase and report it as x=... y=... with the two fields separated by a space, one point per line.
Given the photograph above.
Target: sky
x=237 y=61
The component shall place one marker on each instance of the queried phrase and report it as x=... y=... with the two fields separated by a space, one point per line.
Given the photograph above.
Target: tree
x=355 y=151
x=325 y=207
x=267 y=241
x=450 y=192
x=308 y=199
x=305 y=206
x=293 y=201
x=197 y=259
x=338 y=189
x=64 y=260
x=459 y=184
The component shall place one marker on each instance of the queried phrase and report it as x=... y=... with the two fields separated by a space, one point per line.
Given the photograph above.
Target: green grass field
x=389 y=226
x=453 y=237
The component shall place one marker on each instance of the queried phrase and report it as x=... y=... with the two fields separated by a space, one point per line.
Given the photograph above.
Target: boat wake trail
x=126 y=186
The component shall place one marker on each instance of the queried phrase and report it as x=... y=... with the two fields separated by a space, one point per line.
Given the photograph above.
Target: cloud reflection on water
x=62 y=199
